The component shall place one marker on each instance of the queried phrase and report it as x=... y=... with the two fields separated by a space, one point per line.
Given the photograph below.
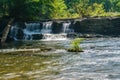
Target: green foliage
x=57 y=9
x=96 y=10
x=4 y=7
x=26 y=9
x=118 y=6
x=112 y=14
x=88 y=8
x=75 y=45
x=79 y=7
x=109 y=5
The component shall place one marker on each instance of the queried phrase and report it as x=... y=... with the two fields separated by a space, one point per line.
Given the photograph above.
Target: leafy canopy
x=57 y=9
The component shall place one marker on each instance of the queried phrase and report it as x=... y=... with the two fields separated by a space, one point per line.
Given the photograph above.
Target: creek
x=99 y=61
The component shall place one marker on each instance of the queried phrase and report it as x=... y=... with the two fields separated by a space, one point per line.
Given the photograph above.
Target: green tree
x=57 y=9
x=44 y=9
x=109 y=5
x=96 y=10
x=25 y=10
x=54 y=9
x=118 y=6
x=4 y=6
x=79 y=7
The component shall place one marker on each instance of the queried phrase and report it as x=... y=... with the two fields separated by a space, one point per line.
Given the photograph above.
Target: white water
x=47 y=27
x=54 y=37
x=13 y=32
x=66 y=27
x=31 y=28
x=34 y=29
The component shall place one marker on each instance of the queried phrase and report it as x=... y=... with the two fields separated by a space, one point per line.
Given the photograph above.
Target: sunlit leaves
x=75 y=45
x=57 y=9
x=96 y=9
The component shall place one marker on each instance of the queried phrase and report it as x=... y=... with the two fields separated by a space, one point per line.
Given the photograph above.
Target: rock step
x=19 y=50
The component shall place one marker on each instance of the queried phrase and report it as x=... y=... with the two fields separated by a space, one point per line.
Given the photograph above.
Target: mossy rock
x=74 y=50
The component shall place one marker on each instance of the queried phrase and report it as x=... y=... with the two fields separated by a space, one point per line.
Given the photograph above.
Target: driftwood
x=6 y=31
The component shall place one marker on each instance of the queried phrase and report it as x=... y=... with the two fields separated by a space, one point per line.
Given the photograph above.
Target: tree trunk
x=6 y=31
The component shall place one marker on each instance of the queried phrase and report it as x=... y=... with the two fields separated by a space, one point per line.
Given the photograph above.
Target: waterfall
x=66 y=27
x=44 y=30
x=31 y=28
x=13 y=32
x=47 y=32
x=35 y=29
x=47 y=27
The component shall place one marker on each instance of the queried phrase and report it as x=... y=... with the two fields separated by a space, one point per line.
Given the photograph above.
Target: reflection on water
x=99 y=61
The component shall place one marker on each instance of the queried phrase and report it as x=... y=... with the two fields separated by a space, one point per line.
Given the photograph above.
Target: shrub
x=75 y=45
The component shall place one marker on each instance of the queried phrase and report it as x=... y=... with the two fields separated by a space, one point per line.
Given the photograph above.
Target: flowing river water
x=99 y=61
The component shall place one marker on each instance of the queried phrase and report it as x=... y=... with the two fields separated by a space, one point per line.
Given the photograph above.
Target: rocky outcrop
x=104 y=26
x=86 y=27
x=56 y=27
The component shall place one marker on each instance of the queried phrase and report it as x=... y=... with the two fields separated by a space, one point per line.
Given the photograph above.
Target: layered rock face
x=105 y=26
x=55 y=29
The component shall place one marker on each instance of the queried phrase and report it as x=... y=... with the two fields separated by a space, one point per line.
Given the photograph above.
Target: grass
x=75 y=45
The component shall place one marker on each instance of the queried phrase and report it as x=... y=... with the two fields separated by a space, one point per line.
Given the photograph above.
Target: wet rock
x=20 y=34
x=21 y=25
x=57 y=27
x=37 y=36
x=104 y=26
x=90 y=35
x=72 y=35
x=74 y=50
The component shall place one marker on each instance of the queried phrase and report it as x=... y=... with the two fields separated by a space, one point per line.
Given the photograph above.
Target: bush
x=75 y=45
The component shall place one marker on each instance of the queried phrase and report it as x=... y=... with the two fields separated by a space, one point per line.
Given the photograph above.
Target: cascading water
x=66 y=28
x=13 y=32
x=33 y=31
x=47 y=32
x=47 y=27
